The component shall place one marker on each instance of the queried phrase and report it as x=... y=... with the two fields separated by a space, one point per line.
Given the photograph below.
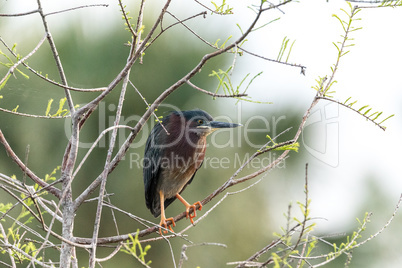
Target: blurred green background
x=91 y=47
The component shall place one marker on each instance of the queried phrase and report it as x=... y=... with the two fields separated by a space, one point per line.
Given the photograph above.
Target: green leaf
x=386 y=119
x=16 y=108
x=363 y=107
x=49 y=105
x=290 y=50
x=5 y=81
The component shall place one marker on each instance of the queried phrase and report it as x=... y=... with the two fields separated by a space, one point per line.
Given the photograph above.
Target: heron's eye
x=200 y=121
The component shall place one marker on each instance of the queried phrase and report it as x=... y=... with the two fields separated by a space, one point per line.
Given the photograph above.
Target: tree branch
x=49 y=80
x=56 y=192
x=56 y=57
x=349 y=107
x=214 y=94
x=12 y=68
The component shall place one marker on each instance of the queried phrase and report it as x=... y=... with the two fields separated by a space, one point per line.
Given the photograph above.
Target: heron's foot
x=194 y=214
x=164 y=223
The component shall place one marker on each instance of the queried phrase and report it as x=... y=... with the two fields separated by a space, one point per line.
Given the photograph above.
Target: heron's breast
x=179 y=168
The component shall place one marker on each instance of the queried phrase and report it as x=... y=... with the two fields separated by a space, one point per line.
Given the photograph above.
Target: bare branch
x=20 y=14
x=11 y=70
x=34 y=115
x=56 y=58
x=105 y=173
x=56 y=192
x=272 y=6
x=398 y=205
x=188 y=28
x=210 y=9
x=111 y=255
x=75 y=8
x=26 y=255
x=184 y=248
x=302 y=68
x=49 y=80
x=103 y=133
x=9 y=251
x=23 y=204
x=142 y=97
x=127 y=20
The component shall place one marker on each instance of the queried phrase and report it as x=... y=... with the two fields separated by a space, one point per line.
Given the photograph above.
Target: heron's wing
x=151 y=170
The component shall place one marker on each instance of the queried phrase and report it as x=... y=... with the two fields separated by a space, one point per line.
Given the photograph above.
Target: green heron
x=174 y=152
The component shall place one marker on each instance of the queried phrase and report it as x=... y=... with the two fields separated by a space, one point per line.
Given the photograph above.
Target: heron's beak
x=216 y=124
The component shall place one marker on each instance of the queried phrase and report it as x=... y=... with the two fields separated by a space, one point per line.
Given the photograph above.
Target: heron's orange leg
x=188 y=206
x=164 y=221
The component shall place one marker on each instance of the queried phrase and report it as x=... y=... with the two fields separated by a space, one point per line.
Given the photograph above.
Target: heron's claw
x=164 y=223
x=194 y=214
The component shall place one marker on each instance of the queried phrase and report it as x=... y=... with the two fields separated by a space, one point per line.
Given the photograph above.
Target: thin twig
x=94 y=144
x=302 y=68
x=20 y=14
x=124 y=237
x=9 y=251
x=75 y=8
x=111 y=255
x=278 y=5
x=351 y=108
x=127 y=20
x=214 y=94
x=56 y=192
x=13 y=184
x=34 y=115
x=105 y=173
x=65 y=199
x=213 y=11
x=26 y=255
x=148 y=106
x=136 y=38
x=188 y=28
x=39 y=219
x=25 y=227
x=56 y=57
x=306 y=209
x=12 y=68
x=265 y=249
x=49 y=80
x=385 y=225
x=20 y=201
x=184 y=248
x=171 y=251
x=340 y=53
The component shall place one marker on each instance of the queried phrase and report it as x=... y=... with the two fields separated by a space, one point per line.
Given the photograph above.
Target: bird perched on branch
x=174 y=152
